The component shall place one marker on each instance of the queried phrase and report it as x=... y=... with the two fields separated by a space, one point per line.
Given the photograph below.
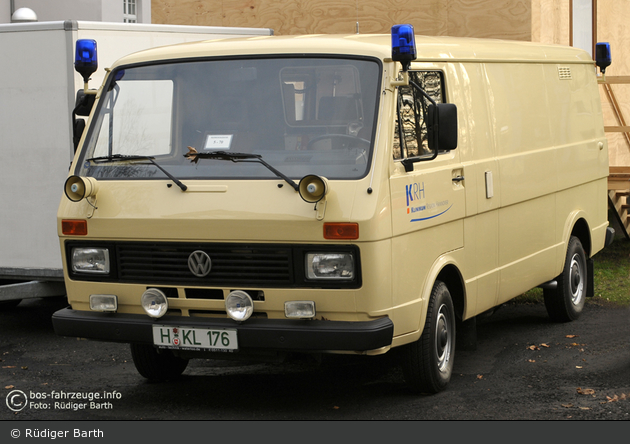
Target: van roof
x=429 y=48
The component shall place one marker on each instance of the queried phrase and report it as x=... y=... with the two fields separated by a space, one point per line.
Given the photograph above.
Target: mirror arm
x=408 y=162
x=423 y=92
x=401 y=80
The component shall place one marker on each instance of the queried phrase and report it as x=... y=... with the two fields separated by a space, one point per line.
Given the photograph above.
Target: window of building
x=130 y=14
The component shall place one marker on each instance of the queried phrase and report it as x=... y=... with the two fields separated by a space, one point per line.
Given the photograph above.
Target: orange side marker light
x=74 y=227
x=341 y=231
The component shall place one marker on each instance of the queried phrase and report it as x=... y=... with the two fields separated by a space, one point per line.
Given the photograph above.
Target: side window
x=412 y=108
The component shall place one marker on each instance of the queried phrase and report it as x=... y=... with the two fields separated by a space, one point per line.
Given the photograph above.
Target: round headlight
x=154 y=302
x=239 y=305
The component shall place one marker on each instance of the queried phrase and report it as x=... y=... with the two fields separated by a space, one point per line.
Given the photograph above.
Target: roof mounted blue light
x=85 y=59
x=403 y=45
x=602 y=56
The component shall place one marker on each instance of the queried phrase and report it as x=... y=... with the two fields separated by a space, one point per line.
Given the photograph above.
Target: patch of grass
x=612 y=273
x=533 y=296
x=612 y=277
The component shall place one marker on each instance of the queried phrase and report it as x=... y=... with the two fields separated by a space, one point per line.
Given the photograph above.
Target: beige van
x=264 y=196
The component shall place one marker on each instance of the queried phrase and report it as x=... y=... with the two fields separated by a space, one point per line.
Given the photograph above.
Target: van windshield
x=301 y=115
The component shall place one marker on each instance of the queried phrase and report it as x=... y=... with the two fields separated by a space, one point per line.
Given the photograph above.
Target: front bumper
x=258 y=334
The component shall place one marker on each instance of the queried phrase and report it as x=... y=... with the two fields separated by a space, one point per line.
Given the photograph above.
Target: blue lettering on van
x=415 y=191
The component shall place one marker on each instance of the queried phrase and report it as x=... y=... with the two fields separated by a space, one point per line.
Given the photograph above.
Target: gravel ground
x=524 y=368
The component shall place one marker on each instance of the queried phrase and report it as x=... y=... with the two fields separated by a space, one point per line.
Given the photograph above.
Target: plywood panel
x=304 y=16
x=507 y=19
x=187 y=12
x=429 y=18
x=612 y=27
x=550 y=21
x=475 y=18
x=545 y=21
x=618 y=147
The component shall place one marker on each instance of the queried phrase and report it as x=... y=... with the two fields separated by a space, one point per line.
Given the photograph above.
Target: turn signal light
x=341 y=231
x=74 y=227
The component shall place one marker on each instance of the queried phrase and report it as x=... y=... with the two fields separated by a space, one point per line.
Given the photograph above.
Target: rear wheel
x=428 y=362
x=566 y=302
x=157 y=366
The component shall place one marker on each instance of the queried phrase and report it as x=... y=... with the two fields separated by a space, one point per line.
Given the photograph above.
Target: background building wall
x=546 y=21
x=479 y=18
x=550 y=21
x=612 y=27
x=87 y=10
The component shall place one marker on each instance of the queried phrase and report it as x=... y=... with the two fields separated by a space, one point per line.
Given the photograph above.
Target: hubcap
x=443 y=338
x=576 y=280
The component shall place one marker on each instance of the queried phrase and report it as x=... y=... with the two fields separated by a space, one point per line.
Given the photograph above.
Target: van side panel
x=413 y=259
x=522 y=128
x=476 y=145
x=520 y=122
x=428 y=209
x=581 y=144
x=527 y=143
x=544 y=120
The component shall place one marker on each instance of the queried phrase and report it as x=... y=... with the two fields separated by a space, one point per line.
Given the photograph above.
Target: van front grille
x=231 y=264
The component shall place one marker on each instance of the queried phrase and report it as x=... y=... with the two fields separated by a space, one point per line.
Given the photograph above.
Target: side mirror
x=82 y=107
x=84 y=103
x=602 y=56
x=442 y=132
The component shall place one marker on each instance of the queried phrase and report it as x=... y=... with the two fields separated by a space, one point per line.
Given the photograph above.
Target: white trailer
x=38 y=88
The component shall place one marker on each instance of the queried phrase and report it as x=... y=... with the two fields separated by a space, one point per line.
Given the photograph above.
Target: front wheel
x=566 y=302
x=428 y=362
x=157 y=366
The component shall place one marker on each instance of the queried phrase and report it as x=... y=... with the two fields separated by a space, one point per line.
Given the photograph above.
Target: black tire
x=428 y=363
x=566 y=302
x=157 y=366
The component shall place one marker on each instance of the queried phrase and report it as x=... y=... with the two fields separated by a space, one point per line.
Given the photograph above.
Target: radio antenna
x=357 y=6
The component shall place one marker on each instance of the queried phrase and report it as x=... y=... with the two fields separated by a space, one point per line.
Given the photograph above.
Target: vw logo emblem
x=199 y=263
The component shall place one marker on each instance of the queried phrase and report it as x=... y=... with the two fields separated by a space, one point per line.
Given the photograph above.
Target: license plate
x=194 y=338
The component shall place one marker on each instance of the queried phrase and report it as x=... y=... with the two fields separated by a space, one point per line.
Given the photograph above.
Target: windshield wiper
x=194 y=156
x=123 y=157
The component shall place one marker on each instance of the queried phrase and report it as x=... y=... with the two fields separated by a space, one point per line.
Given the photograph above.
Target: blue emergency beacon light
x=403 y=45
x=85 y=59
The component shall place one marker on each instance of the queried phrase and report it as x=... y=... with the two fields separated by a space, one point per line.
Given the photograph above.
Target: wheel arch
x=578 y=226
x=445 y=269
x=582 y=231
x=452 y=277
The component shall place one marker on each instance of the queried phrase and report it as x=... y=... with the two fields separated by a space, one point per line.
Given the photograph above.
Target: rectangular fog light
x=299 y=309
x=103 y=302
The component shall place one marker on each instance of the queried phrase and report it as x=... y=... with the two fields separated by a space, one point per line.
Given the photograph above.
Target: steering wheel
x=347 y=137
